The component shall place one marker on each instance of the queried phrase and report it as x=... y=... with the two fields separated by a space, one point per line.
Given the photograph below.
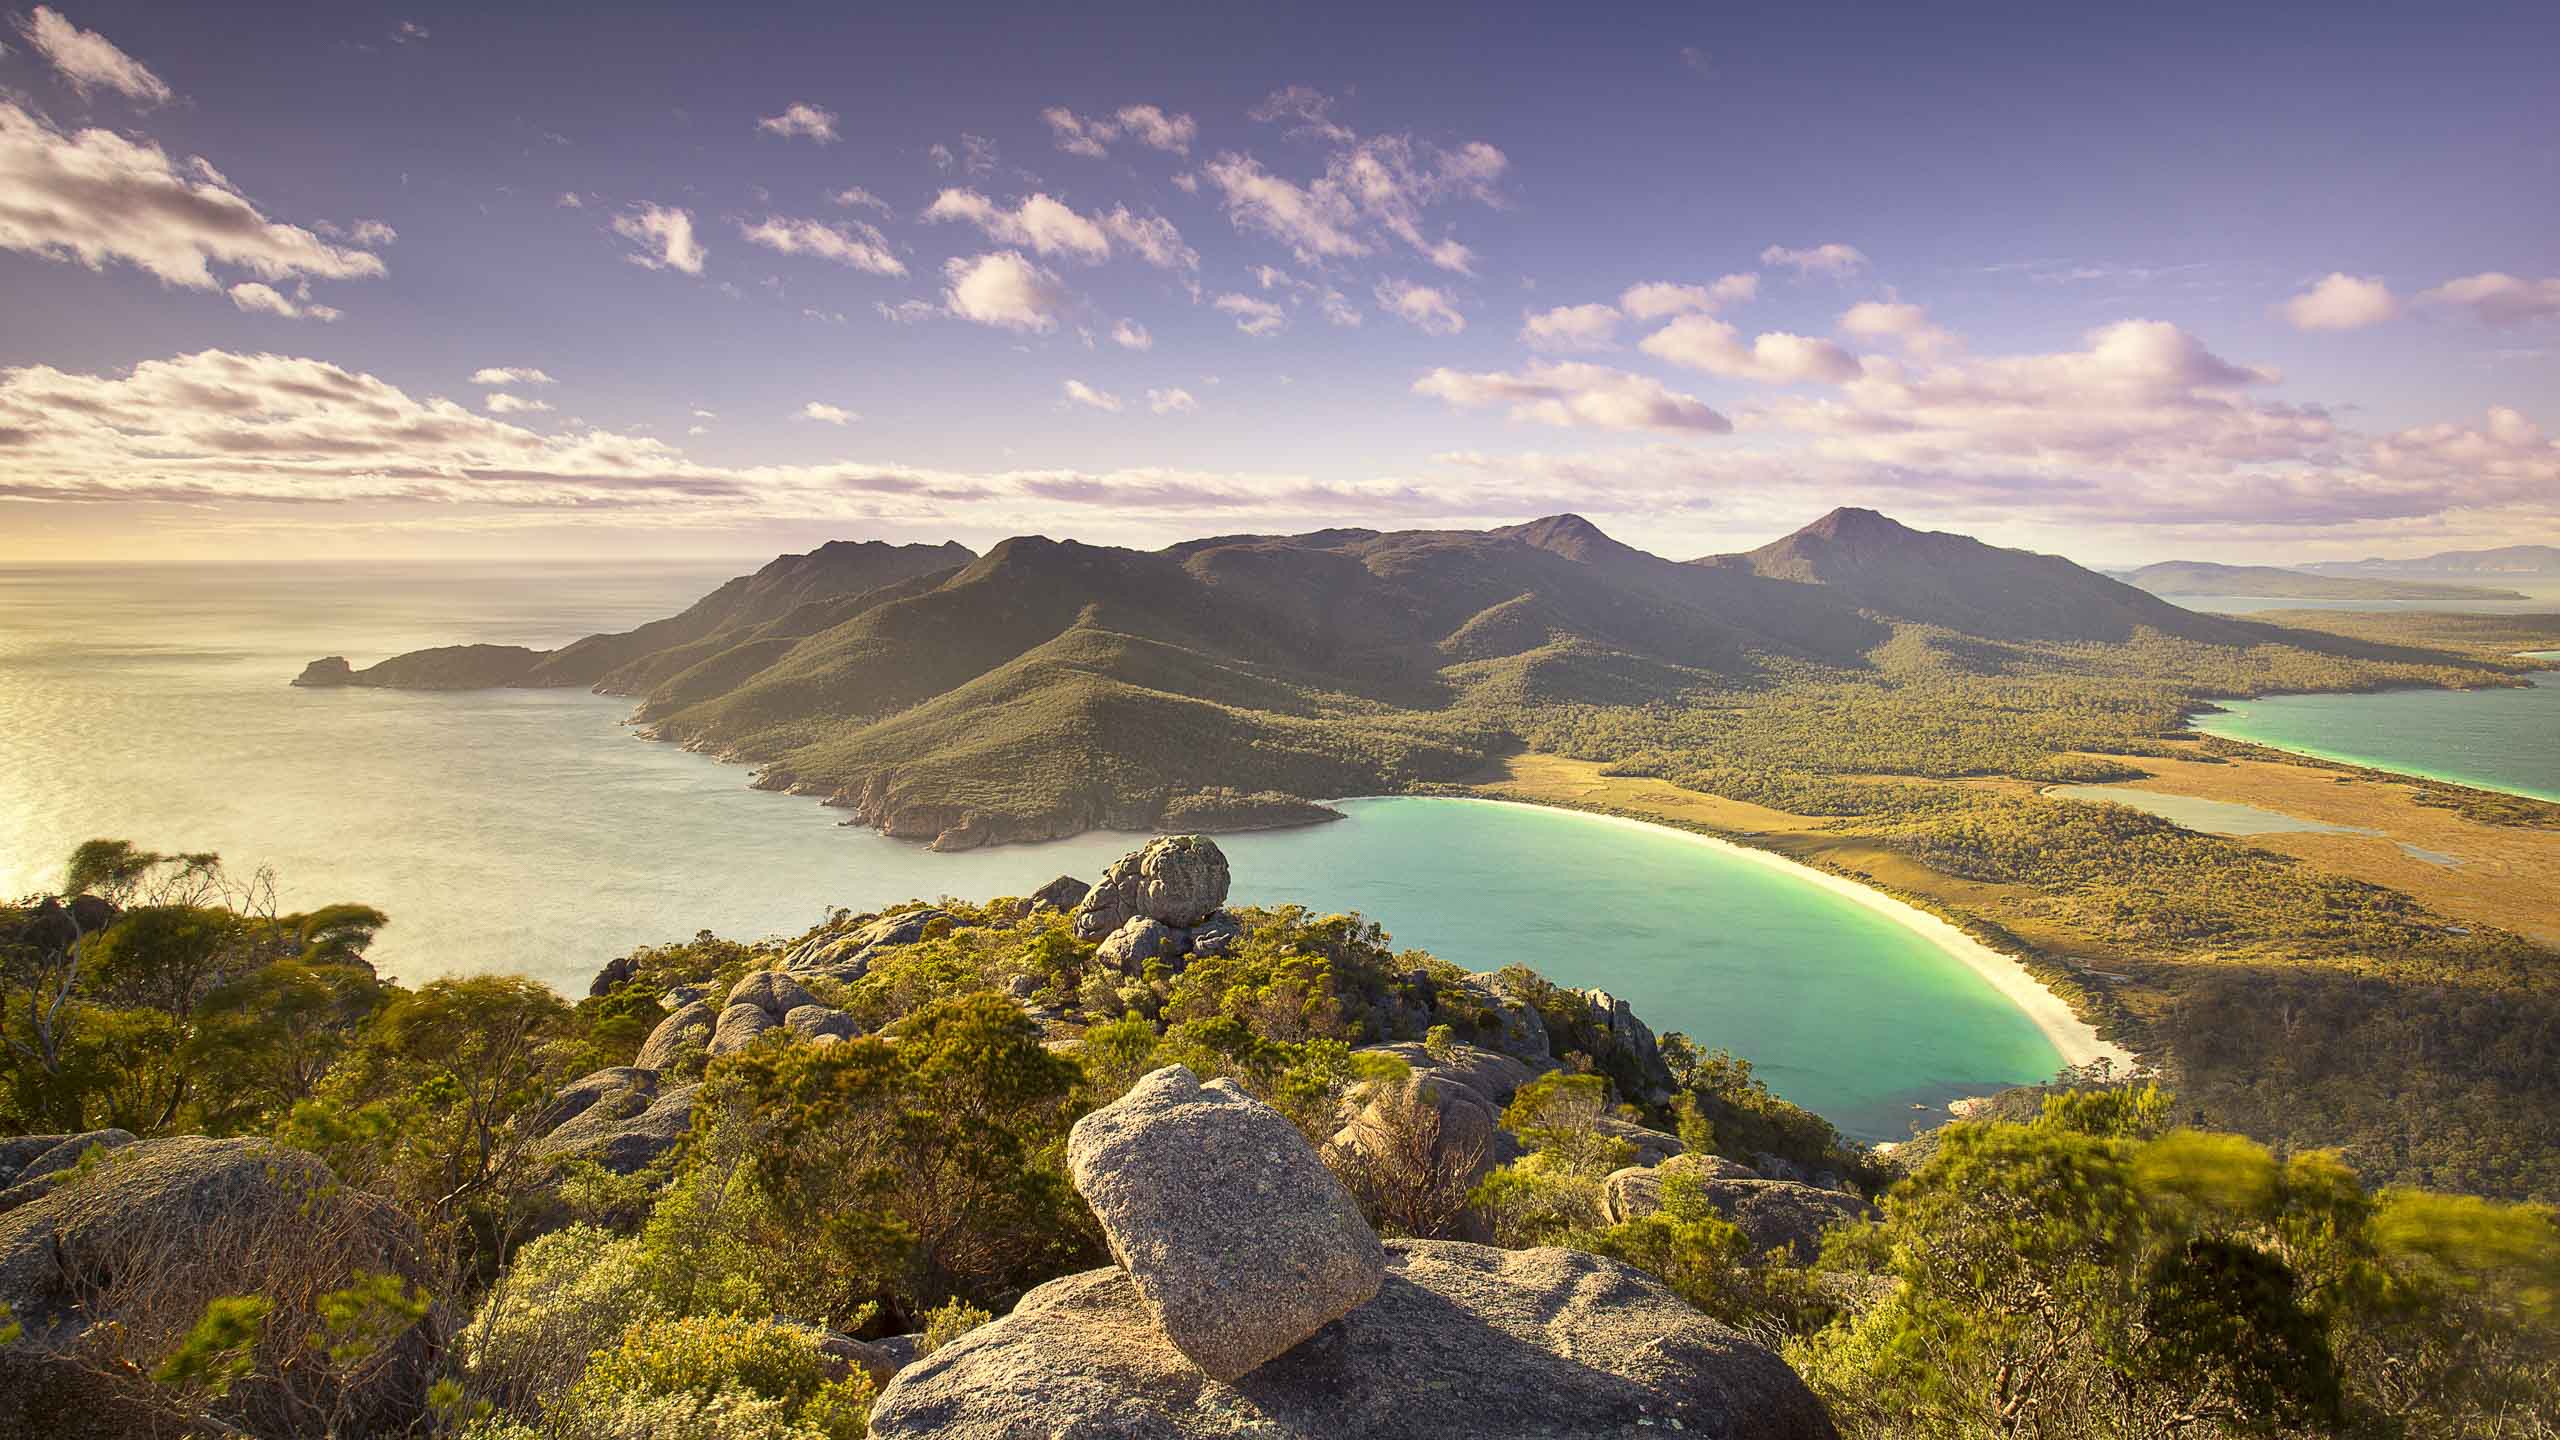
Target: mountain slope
x=2203 y=577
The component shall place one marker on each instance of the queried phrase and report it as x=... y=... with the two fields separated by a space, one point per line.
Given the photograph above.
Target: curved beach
x=2071 y=1037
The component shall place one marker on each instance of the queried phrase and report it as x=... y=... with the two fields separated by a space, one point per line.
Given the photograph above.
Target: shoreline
x=2074 y=1039
x=2401 y=769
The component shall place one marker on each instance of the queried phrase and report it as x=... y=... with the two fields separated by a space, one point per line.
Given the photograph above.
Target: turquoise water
x=2493 y=739
x=523 y=830
x=2213 y=817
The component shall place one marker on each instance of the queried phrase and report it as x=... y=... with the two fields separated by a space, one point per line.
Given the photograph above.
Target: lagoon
x=525 y=830
x=2504 y=739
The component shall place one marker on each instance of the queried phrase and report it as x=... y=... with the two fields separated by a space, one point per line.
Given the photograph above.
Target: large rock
x=1216 y=935
x=1780 y=1217
x=1652 y=1146
x=687 y=1031
x=905 y=928
x=1489 y=1073
x=110 y=1269
x=771 y=991
x=621 y=1090
x=47 y=1167
x=1238 y=1239
x=623 y=1141
x=1462 y=1342
x=1178 y=879
x=18 y=1151
x=1636 y=1191
x=1502 y=1020
x=1064 y=893
x=1630 y=1042
x=1410 y=1150
x=812 y=1021
x=1144 y=938
x=739 y=1026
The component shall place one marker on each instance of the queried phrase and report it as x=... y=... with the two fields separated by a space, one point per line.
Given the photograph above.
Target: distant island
x=2541 y=561
x=2204 y=578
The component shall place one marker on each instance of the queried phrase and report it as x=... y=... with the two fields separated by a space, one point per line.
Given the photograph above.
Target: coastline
x=2362 y=762
x=2074 y=1039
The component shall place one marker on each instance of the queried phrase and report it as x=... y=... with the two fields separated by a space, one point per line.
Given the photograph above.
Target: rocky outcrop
x=1780 y=1217
x=50 y=1165
x=446 y=667
x=109 y=1270
x=1489 y=1073
x=687 y=1031
x=1627 y=1049
x=1652 y=1146
x=1237 y=1240
x=1216 y=935
x=1636 y=1191
x=620 y=1138
x=1064 y=893
x=817 y=1022
x=1461 y=1342
x=1499 y=1019
x=1180 y=880
x=1144 y=938
x=616 y=1092
x=771 y=991
x=738 y=1028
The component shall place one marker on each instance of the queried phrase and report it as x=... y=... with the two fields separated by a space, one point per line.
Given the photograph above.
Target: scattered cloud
x=499 y=402
x=408 y=32
x=906 y=312
x=1005 y=290
x=976 y=155
x=1576 y=395
x=826 y=414
x=2498 y=298
x=1253 y=316
x=1572 y=327
x=1131 y=335
x=2341 y=302
x=1835 y=260
x=851 y=242
x=1080 y=393
x=1173 y=400
x=854 y=197
x=569 y=201
x=1427 y=309
x=1048 y=226
x=95 y=196
x=1378 y=183
x=1148 y=125
x=89 y=60
x=801 y=120
x=1660 y=299
x=1901 y=323
x=665 y=238
x=261 y=299
x=510 y=375
x=1702 y=342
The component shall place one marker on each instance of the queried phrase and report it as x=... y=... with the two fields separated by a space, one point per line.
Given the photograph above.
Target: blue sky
x=2222 y=282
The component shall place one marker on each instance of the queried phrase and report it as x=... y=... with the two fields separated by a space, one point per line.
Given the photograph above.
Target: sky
x=2260 y=284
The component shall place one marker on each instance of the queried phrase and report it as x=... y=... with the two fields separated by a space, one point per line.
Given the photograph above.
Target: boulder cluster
x=1165 y=901
x=1251 y=1297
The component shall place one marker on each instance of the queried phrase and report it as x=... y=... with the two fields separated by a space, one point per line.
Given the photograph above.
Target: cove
x=2506 y=739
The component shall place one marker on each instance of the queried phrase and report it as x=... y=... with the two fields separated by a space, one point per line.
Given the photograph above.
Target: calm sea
x=527 y=830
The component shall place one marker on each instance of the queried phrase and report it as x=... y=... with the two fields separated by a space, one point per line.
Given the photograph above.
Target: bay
x=2503 y=739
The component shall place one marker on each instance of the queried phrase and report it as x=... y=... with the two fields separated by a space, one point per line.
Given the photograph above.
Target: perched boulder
x=687 y=1030
x=623 y=1142
x=1216 y=935
x=1238 y=1239
x=109 y=1271
x=1063 y=893
x=1144 y=938
x=771 y=991
x=739 y=1026
x=1781 y=1217
x=1178 y=879
x=1636 y=1191
x=811 y=1021
x=1462 y=1342
x=1489 y=1073
x=623 y=1091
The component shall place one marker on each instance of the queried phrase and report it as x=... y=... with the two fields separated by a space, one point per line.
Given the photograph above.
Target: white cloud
x=1172 y=401
x=976 y=156
x=408 y=32
x=499 y=402
x=1311 y=108
x=89 y=60
x=1426 y=309
x=1004 y=290
x=1253 y=317
x=1703 y=342
x=1572 y=327
x=1576 y=395
x=1383 y=182
x=827 y=414
x=2341 y=302
x=2499 y=298
x=97 y=196
x=665 y=236
x=803 y=120
x=1129 y=334
x=1658 y=299
x=1153 y=237
x=1339 y=310
x=851 y=243
x=1902 y=323
x=856 y=197
x=569 y=201
x=1080 y=393
x=1044 y=225
x=1835 y=260
x=905 y=312
x=1146 y=124
x=510 y=375
x=260 y=299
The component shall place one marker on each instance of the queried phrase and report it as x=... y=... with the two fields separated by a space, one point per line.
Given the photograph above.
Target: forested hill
x=1049 y=687
x=2201 y=577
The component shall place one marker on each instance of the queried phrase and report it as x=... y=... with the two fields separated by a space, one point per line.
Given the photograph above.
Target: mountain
x=2203 y=577
x=1049 y=687
x=2536 y=561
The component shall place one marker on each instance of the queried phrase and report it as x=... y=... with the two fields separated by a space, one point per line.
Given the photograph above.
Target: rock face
x=1462 y=1342
x=687 y=1029
x=1237 y=1239
x=620 y=1138
x=1516 y=1029
x=1631 y=1041
x=1178 y=879
x=114 y=1267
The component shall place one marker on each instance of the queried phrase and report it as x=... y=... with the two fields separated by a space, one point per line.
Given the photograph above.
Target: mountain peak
x=1850 y=522
x=1566 y=534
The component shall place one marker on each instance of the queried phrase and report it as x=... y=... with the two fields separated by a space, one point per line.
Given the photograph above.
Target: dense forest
x=2074 y=1262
